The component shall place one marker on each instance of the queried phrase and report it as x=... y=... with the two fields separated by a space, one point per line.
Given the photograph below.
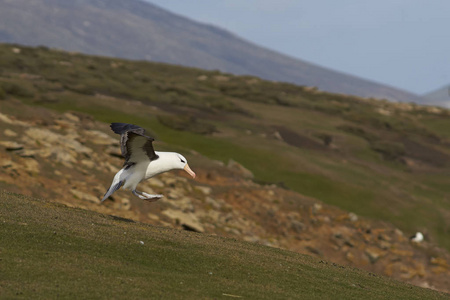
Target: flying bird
x=142 y=161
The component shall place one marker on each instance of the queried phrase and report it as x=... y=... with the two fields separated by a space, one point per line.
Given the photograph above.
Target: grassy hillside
x=52 y=251
x=378 y=159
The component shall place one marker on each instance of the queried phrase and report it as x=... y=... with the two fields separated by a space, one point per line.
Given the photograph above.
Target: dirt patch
x=426 y=154
x=297 y=140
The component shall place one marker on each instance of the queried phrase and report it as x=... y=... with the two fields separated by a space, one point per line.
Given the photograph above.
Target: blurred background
x=318 y=127
x=389 y=49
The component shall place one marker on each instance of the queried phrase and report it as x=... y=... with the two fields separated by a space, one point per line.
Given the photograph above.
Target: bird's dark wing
x=121 y=128
x=135 y=145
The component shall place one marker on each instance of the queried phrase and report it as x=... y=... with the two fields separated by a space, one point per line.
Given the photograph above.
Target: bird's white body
x=417 y=238
x=131 y=176
x=147 y=169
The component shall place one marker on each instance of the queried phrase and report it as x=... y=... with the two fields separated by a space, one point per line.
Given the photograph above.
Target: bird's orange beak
x=190 y=172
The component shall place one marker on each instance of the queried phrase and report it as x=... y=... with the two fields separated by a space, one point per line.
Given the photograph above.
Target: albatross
x=142 y=161
x=417 y=238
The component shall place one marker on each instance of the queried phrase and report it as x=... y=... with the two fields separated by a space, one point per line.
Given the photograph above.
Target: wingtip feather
x=120 y=128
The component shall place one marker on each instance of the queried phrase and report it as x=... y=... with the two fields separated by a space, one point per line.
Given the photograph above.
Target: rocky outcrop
x=72 y=159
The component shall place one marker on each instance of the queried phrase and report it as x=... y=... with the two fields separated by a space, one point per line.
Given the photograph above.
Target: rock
x=49 y=139
x=71 y=117
x=185 y=204
x=219 y=163
x=418 y=270
x=5 y=119
x=60 y=155
x=251 y=238
x=314 y=250
x=352 y=217
x=153 y=216
x=84 y=196
x=31 y=166
x=10 y=133
x=63 y=124
x=297 y=226
x=338 y=239
x=383 y=111
x=6 y=163
x=155 y=182
x=233 y=231
x=221 y=78
x=111 y=168
x=175 y=193
x=203 y=189
x=214 y=203
x=400 y=235
x=42 y=135
x=349 y=256
x=11 y=145
x=188 y=219
x=317 y=207
x=399 y=252
x=123 y=204
x=374 y=254
x=324 y=219
x=439 y=261
x=237 y=167
x=389 y=269
x=439 y=270
x=114 y=151
x=88 y=163
x=28 y=153
x=277 y=136
x=169 y=181
x=384 y=237
x=384 y=245
x=100 y=138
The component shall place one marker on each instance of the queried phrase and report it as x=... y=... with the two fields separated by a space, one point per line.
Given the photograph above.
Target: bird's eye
x=182 y=161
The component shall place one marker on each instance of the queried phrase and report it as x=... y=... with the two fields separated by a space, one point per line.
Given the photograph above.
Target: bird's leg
x=147 y=197
x=152 y=197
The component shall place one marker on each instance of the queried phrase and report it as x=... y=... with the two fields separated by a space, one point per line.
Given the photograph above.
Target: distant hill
x=440 y=97
x=138 y=30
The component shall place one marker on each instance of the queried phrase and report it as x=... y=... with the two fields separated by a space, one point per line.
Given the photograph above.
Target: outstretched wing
x=135 y=145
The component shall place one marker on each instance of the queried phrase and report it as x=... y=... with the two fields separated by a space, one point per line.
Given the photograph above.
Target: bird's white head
x=169 y=161
x=182 y=164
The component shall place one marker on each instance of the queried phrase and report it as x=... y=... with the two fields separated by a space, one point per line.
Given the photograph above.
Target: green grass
x=438 y=124
x=51 y=251
x=364 y=173
x=346 y=185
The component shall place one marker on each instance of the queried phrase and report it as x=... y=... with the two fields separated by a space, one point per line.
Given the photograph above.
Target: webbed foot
x=147 y=197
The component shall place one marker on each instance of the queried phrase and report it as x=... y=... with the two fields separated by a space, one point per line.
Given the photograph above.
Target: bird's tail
x=118 y=181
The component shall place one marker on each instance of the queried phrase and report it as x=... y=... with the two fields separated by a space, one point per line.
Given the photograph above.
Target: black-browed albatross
x=142 y=161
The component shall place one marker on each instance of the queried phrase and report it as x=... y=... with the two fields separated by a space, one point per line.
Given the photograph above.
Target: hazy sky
x=403 y=43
